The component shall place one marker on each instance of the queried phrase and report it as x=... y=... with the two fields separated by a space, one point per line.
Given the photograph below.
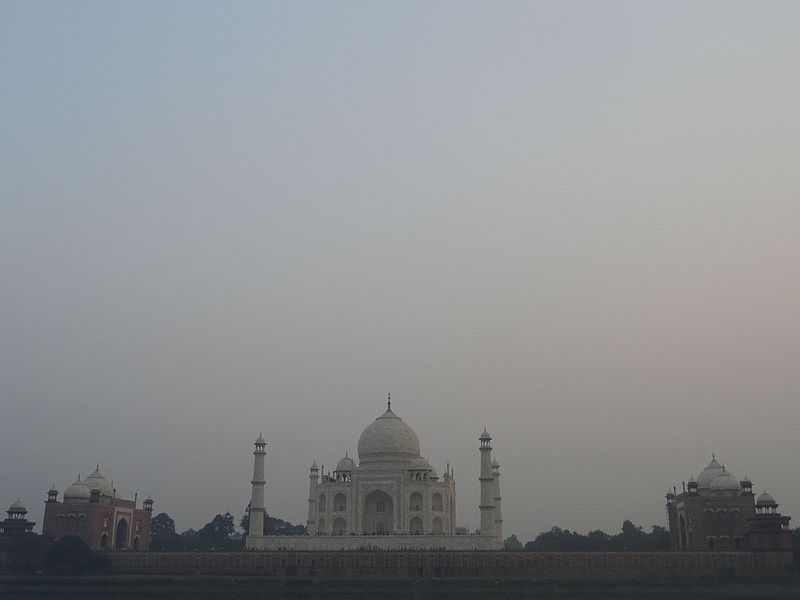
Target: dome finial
x=389 y=401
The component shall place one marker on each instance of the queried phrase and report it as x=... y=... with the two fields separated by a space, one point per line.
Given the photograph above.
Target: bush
x=71 y=556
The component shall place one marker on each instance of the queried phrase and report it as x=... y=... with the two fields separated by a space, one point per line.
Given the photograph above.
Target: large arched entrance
x=377 y=514
x=122 y=535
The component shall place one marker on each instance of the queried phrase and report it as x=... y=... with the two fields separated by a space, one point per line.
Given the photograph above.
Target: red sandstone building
x=716 y=512
x=92 y=511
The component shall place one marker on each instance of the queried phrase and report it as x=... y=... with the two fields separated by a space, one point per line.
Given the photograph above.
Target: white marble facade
x=393 y=498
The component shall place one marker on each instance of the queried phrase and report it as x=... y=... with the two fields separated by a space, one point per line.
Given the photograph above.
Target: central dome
x=387 y=439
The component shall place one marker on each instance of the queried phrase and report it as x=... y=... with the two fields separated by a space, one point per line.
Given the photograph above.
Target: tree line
x=218 y=534
x=631 y=538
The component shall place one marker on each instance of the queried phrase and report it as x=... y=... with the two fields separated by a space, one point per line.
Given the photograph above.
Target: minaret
x=498 y=514
x=257 y=506
x=311 y=522
x=487 y=485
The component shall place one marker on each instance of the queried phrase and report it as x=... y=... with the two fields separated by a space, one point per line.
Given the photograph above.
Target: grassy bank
x=180 y=587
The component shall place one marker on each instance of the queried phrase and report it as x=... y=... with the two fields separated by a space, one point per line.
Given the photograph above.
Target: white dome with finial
x=724 y=483
x=388 y=439
x=98 y=481
x=766 y=499
x=17 y=507
x=346 y=464
x=709 y=474
x=420 y=463
x=77 y=492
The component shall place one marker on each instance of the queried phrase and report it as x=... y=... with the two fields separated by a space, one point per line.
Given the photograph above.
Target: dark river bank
x=182 y=587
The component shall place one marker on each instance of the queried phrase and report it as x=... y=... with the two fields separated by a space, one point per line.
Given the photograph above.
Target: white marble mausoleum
x=393 y=498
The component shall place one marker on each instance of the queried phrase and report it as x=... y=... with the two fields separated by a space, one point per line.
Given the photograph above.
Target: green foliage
x=630 y=538
x=162 y=534
x=161 y=524
x=217 y=534
x=273 y=526
x=512 y=544
x=71 y=556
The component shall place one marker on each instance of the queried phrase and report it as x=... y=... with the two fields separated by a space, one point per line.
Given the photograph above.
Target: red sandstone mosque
x=91 y=510
x=717 y=512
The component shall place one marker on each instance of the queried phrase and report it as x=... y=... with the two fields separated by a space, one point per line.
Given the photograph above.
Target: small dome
x=387 y=439
x=485 y=435
x=709 y=474
x=346 y=464
x=725 y=483
x=77 y=491
x=433 y=474
x=260 y=439
x=97 y=481
x=420 y=464
x=17 y=507
x=495 y=464
x=766 y=500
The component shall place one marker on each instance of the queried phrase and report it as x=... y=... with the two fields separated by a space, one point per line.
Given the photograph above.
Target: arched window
x=436 y=502
x=436 y=526
x=322 y=507
x=380 y=507
x=415 y=502
x=711 y=543
x=136 y=543
x=340 y=503
x=339 y=526
x=722 y=516
x=416 y=526
x=104 y=541
x=321 y=527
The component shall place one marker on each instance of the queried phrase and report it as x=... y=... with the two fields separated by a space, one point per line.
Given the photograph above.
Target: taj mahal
x=392 y=499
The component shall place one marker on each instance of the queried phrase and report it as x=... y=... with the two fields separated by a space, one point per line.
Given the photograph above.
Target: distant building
x=392 y=499
x=717 y=512
x=92 y=511
x=16 y=524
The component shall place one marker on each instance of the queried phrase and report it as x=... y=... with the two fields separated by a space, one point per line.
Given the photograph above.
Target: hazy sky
x=577 y=224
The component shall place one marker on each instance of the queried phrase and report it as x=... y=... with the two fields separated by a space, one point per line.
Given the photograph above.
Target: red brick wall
x=454 y=563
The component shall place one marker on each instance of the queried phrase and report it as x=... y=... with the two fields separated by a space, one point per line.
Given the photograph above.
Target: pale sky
x=573 y=223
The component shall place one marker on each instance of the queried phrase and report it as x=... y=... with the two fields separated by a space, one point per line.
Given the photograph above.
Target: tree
x=631 y=537
x=71 y=556
x=512 y=543
x=162 y=534
x=161 y=524
x=217 y=534
x=272 y=525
